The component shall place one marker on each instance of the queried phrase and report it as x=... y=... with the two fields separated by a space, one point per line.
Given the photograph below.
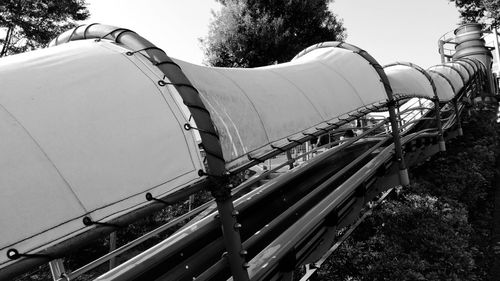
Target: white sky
x=390 y=30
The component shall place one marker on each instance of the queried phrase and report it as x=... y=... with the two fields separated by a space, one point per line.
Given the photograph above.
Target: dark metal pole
x=112 y=247
x=403 y=171
x=442 y=143
x=441 y=50
x=398 y=113
x=230 y=229
x=497 y=52
x=457 y=113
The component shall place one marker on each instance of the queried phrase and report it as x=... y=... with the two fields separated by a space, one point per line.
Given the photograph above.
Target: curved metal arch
x=190 y=96
x=421 y=70
x=403 y=172
x=364 y=54
x=454 y=69
x=461 y=62
x=471 y=63
x=478 y=64
x=464 y=79
x=447 y=80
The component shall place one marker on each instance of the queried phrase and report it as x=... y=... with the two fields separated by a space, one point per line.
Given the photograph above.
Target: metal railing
x=412 y=113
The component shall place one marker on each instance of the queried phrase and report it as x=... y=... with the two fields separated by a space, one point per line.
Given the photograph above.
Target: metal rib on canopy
x=444 y=87
x=257 y=109
x=79 y=143
x=464 y=73
x=452 y=73
x=410 y=80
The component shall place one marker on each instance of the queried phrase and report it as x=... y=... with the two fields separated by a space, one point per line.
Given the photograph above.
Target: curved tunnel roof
x=79 y=142
x=96 y=141
x=468 y=66
x=256 y=108
x=444 y=87
x=452 y=73
x=462 y=70
x=409 y=80
x=90 y=125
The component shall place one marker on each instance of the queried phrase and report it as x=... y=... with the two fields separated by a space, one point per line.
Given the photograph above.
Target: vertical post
x=497 y=49
x=398 y=112
x=437 y=110
x=441 y=50
x=403 y=171
x=57 y=269
x=289 y=158
x=112 y=247
x=303 y=149
x=307 y=146
x=221 y=191
x=457 y=113
x=190 y=202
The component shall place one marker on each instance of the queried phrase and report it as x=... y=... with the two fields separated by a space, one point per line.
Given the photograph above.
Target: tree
x=492 y=8
x=30 y=24
x=250 y=33
x=418 y=237
x=482 y=11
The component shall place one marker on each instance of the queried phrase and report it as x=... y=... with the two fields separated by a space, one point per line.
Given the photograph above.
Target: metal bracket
x=87 y=221
x=14 y=254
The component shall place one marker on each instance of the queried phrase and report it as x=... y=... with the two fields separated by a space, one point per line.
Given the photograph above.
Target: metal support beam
x=230 y=229
x=289 y=158
x=441 y=50
x=57 y=269
x=112 y=247
x=442 y=143
x=497 y=50
x=398 y=112
x=459 y=122
x=403 y=170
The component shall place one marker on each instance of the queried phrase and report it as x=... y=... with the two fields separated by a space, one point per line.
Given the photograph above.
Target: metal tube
x=398 y=112
x=442 y=144
x=112 y=247
x=441 y=50
x=74 y=274
x=403 y=171
x=289 y=157
x=497 y=49
x=57 y=269
x=459 y=122
x=232 y=239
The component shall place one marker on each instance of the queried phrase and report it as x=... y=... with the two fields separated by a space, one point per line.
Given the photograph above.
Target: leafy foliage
x=29 y=24
x=440 y=227
x=249 y=33
x=415 y=238
x=478 y=10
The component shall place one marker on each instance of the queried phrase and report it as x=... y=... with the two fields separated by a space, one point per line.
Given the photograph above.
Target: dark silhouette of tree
x=478 y=10
x=250 y=33
x=30 y=24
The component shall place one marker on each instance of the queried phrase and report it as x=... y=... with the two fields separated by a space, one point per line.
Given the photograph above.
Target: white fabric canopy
x=467 y=65
x=86 y=131
x=254 y=108
x=463 y=71
x=407 y=81
x=444 y=88
x=451 y=73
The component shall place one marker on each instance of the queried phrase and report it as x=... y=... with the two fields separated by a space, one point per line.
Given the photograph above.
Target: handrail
x=415 y=108
x=78 y=272
x=417 y=120
x=133 y=243
x=317 y=264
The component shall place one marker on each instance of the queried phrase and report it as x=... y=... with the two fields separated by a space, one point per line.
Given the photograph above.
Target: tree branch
x=6 y=42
